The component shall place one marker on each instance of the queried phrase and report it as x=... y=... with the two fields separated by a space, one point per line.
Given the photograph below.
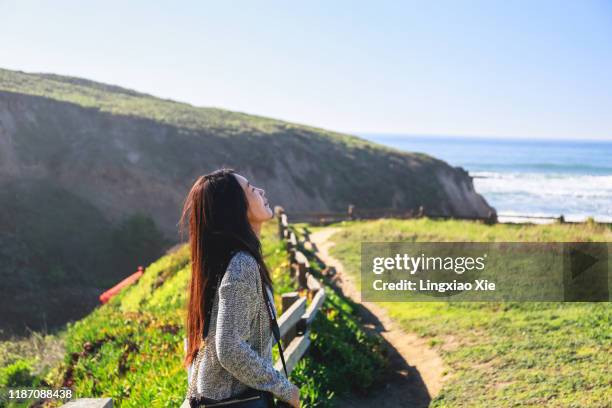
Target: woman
x=225 y=214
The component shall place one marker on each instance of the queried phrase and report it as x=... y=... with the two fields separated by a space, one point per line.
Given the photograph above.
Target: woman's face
x=259 y=209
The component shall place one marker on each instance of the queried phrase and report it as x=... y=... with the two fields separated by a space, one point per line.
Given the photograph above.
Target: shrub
x=17 y=374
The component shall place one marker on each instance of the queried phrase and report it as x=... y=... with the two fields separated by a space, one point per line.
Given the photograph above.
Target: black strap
x=274 y=326
x=209 y=296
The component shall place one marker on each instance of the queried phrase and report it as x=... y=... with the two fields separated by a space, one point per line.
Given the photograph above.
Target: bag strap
x=274 y=325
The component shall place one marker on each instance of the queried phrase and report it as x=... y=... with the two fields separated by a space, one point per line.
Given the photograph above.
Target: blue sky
x=537 y=69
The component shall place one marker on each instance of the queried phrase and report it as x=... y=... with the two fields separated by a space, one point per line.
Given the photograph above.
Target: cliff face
x=78 y=157
x=463 y=201
x=123 y=163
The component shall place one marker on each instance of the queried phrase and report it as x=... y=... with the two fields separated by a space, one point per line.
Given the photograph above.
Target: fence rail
x=354 y=213
x=296 y=318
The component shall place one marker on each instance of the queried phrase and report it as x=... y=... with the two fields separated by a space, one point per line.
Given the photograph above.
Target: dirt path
x=415 y=373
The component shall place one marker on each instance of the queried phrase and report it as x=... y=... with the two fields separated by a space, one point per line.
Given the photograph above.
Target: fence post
x=292 y=255
x=288 y=299
x=303 y=267
x=306 y=234
x=492 y=218
x=313 y=285
x=292 y=240
x=289 y=319
x=295 y=317
x=278 y=210
x=301 y=276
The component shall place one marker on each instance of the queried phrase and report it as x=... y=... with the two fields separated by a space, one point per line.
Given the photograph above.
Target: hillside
x=143 y=152
x=87 y=161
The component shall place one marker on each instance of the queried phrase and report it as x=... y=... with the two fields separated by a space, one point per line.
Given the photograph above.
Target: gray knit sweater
x=234 y=356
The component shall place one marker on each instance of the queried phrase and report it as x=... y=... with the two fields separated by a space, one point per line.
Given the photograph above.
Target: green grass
x=501 y=354
x=121 y=101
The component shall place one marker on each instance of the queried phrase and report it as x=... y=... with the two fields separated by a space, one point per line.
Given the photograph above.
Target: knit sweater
x=234 y=356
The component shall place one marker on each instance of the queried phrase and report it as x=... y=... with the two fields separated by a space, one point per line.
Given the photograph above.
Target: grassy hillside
x=122 y=101
x=502 y=354
x=131 y=349
x=358 y=163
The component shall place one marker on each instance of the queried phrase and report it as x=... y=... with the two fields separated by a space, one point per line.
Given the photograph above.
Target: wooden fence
x=354 y=213
x=296 y=318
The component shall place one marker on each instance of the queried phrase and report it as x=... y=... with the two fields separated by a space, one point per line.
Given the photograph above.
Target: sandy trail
x=416 y=371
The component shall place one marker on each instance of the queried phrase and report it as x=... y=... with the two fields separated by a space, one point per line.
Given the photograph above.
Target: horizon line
x=408 y=135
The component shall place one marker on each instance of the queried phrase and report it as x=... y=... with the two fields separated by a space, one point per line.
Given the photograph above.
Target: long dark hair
x=216 y=209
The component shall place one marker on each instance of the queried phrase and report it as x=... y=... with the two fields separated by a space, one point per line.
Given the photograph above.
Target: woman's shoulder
x=242 y=267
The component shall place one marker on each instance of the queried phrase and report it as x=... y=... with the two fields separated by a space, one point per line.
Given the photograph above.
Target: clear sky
x=528 y=68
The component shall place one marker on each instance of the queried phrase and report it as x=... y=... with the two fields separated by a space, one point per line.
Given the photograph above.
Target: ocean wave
x=547 y=177
x=544 y=184
x=547 y=194
x=563 y=168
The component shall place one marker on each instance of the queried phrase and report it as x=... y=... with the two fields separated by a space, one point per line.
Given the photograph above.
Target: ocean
x=527 y=177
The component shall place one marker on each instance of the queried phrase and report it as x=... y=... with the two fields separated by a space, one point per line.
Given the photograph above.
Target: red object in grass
x=106 y=296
